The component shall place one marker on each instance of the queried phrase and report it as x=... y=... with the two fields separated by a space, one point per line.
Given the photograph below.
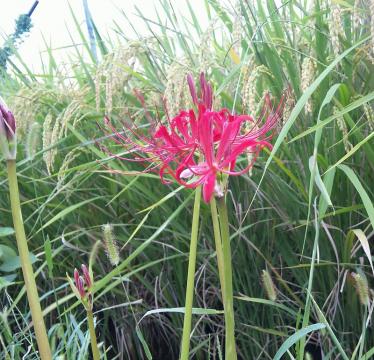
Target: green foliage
x=309 y=194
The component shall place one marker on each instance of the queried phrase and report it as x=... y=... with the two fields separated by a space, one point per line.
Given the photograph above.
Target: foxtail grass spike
x=269 y=286
x=110 y=244
x=362 y=287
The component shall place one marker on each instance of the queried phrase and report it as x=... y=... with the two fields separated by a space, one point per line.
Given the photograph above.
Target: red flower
x=201 y=145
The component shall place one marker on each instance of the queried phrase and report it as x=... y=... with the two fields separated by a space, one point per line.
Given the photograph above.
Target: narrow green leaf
x=6 y=231
x=352 y=106
x=67 y=211
x=293 y=339
x=13 y=263
x=269 y=303
x=195 y=311
x=328 y=181
x=48 y=256
x=365 y=245
x=318 y=180
x=302 y=101
x=368 y=204
x=352 y=151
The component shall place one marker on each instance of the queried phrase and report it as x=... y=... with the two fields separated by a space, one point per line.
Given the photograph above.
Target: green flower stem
x=185 y=349
x=230 y=348
x=91 y=327
x=218 y=243
x=28 y=273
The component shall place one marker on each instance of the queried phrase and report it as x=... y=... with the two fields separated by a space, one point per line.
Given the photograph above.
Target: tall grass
x=305 y=214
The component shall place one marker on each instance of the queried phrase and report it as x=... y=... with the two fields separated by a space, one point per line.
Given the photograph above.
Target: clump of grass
x=273 y=225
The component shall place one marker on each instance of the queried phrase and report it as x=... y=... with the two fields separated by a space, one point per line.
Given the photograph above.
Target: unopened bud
x=79 y=283
x=86 y=275
x=80 y=287
x=191 y=85
x=76 y=276
x=7 y=132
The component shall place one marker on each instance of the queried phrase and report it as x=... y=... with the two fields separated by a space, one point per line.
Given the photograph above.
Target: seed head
x=362 y=287
x=205 y=56
x=32 y=140
x=369 y=114
x=343 y=128
x=336 y=28
x=307 y=76
x=237 y=31
x=269 y=285
x=356 y=15
x=176 y=96
x=250 y=97
x=110 y=244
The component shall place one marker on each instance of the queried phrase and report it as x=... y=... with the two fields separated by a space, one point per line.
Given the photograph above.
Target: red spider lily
x=220 y=156
x=203 y=144
x=7 y=132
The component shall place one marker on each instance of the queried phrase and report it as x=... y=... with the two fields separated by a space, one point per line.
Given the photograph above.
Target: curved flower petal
x=208 y=187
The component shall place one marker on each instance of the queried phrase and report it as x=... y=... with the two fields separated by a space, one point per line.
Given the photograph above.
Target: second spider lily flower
x=82 y=288
x=7 y=132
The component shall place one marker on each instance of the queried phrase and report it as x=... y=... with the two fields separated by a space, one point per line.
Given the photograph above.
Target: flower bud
x=191 y=85
x=79 y=284
x=7 y=132
x=76 y=276
x=86 y=275
x=80 y=287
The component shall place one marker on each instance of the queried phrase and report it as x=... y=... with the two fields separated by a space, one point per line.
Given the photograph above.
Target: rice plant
x=300 y=220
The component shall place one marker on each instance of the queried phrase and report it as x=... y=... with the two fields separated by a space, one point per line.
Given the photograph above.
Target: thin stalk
x=185 y=348
x=218 y=243
x=228 y=302
x=310 y=286
x=362 y=337
x=28 y=273
x=329 y=329
x=91 y=327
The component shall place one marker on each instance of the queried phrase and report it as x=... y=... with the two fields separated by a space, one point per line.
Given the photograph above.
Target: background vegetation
x=305 y=215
